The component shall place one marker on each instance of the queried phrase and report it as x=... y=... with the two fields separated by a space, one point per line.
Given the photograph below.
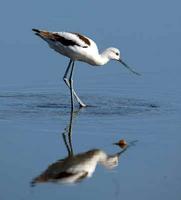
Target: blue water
x=35 y=103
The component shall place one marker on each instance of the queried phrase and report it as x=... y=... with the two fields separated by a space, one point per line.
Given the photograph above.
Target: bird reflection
x=76 y=167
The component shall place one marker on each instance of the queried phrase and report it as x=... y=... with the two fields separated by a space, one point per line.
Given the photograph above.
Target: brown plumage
x=58 y=38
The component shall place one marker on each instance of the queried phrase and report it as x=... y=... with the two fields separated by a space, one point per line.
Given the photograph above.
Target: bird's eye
x=117 y=54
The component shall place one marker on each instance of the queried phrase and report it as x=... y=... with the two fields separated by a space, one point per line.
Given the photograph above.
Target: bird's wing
x=65 y=38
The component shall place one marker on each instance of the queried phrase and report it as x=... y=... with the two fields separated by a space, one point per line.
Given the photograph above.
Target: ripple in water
x=53 y=104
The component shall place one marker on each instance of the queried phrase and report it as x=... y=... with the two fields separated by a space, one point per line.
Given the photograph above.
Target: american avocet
x=78 y=47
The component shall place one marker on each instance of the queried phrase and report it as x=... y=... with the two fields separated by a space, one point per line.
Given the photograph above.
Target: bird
x=78 y=47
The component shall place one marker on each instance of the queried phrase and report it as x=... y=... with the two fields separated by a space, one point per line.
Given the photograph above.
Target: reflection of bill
x=75 y=168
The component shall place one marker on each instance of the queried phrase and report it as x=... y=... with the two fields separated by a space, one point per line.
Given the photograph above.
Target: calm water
x=35 y=107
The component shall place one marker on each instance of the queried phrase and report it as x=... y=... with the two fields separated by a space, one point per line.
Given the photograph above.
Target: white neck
x=99 y=59
x=103 y=58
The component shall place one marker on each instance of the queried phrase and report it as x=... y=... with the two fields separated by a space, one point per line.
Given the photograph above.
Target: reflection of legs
x=67 y=134
x=67 y=82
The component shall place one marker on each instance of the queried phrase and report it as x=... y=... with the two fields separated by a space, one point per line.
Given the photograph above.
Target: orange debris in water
x=122 y=143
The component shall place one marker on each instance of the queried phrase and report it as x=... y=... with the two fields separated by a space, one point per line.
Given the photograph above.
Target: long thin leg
x=71 y=87
x=66 y=72
x=68 y=84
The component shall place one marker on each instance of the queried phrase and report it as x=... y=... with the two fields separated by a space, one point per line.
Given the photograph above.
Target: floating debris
x=122 y=143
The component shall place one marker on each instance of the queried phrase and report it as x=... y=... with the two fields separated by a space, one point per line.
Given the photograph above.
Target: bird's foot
x=82 y=105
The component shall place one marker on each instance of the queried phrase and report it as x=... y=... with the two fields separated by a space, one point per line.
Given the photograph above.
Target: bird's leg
x=66 y=72
x=68 y=84
x=71 y=87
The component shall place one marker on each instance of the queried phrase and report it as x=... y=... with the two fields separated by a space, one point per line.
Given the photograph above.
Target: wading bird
x=78 y=47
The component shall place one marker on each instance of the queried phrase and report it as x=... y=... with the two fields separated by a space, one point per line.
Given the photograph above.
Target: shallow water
x=144 y=111
x=27 y=105
x=32 y=124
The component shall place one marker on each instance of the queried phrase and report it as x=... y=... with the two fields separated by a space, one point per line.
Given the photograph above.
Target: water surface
x=35 y=103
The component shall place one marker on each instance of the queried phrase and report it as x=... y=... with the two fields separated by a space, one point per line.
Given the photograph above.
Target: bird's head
x=114 y=54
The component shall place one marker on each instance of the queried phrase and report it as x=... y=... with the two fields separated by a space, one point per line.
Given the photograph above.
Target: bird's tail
x=43 y=34
x=37 y=32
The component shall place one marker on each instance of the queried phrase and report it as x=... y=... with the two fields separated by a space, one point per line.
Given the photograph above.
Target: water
x=32 y=124
x=35 y=103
